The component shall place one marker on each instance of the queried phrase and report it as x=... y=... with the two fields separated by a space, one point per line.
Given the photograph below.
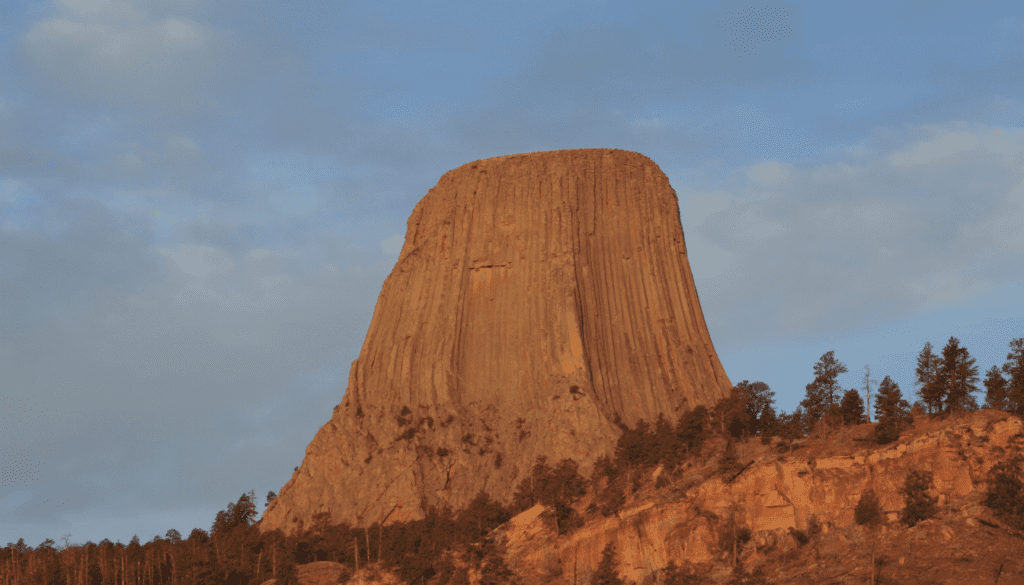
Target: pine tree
x=768 y=424
x=1005 y=493
x=868 y=510
x=852 y=408
x=958 y=377
x=792 y=426
x=891 y=411
x=756 y=396
x=729 y=463
x=730 y=415
x=691 y=429
x=928 y=365
x=814 y=404
x=665 y=442
x=995 y=390
x=685 y=575
x=1014 y=368
x=918 y=504
x=821 y=394
x=606 y=573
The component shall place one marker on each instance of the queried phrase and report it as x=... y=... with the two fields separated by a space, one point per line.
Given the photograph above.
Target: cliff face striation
x=537 y=298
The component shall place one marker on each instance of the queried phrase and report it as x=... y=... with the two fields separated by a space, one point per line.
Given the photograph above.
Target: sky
x=200 y=201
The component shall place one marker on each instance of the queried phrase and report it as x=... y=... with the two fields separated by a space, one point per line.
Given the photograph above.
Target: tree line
x=234 y=552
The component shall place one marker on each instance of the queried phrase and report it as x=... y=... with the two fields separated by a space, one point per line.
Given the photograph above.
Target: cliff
x=537 y=298
x=815 y=492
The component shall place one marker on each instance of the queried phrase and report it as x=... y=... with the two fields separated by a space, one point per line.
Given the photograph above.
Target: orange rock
x=537 y=297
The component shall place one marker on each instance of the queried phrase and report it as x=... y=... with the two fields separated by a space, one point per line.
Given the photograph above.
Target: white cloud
x=768 y=174
x=955 y=138
x=199 y=261
x=842 y=244
x=180 y=146
x=117 y=51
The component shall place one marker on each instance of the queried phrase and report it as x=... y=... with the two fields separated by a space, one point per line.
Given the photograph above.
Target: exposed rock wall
x=521 y=278
x=772 y=496
x=524 y=274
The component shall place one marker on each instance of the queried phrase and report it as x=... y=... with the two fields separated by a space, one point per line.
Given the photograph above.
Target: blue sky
x=200 y=201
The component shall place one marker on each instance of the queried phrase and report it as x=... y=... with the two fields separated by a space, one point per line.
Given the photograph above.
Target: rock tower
x=537 y=298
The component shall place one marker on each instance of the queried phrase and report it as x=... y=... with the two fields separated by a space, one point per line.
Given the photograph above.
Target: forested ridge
x=445 y=544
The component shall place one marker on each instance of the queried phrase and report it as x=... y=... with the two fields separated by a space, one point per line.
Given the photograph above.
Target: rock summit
x=538 y=299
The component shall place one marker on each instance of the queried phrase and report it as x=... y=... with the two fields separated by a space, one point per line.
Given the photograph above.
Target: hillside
x=794 y=516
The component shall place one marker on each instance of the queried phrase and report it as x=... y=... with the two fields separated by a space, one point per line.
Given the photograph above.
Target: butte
x=538 y=298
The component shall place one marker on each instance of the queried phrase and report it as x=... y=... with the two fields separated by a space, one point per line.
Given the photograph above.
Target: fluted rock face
x=537 y=298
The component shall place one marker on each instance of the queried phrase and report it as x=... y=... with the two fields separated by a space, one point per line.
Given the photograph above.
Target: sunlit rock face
x=774 y=495
x=537 y=298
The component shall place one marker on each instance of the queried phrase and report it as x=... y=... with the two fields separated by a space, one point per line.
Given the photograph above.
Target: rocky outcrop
x=537 y=298
x=773 y=496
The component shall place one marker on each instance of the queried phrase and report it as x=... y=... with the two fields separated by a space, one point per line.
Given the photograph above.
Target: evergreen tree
x=958 y=378
x=815 y=404
x=1014 y=368
x=868 y=510
x=664 y=442
x=480 y=517
x=685 y=575
x=995 y=390
x=731 y=415
x=891 y=411
x=919 y=505
x=821 y=394
x=173 y=536
x=691 y=429
x=729 y=464
x=928 y=365
x=792 y=426
x=606 y=573
x=756 y=397
x=1005 y=495
x=852 y=408
x=634 y=446
x=768 y=424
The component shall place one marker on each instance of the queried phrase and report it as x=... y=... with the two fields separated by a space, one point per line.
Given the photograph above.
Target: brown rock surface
x=777 y=494
x=537 y=298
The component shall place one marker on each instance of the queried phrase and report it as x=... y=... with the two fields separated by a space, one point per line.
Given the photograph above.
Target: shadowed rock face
x=521 y=277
